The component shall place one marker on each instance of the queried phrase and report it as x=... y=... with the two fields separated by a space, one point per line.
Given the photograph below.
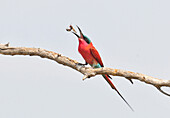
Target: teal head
x=82 y=36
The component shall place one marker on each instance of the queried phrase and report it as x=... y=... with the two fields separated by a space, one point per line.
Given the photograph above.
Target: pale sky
x=129 y=34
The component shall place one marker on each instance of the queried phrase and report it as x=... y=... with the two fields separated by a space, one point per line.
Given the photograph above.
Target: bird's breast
x=84 y=50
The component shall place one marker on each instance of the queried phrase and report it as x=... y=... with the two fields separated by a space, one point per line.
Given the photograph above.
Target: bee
x=71 y=28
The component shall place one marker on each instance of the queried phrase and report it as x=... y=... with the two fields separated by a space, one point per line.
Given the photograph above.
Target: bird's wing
x=96 y=55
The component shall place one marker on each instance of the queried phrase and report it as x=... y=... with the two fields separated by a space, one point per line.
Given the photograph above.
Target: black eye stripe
x=86 y=40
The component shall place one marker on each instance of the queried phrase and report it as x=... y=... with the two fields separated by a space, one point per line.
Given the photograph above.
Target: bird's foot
x=80 y=64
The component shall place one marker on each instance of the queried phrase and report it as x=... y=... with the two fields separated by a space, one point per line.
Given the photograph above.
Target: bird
x=93 y=58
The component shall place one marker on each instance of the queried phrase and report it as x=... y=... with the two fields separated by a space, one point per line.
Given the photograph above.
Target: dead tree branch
x=88 y=72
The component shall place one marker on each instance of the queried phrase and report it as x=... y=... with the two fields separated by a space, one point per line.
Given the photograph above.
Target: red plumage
x=92 y=57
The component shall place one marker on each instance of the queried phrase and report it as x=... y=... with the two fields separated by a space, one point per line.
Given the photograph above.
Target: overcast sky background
x=129 y=34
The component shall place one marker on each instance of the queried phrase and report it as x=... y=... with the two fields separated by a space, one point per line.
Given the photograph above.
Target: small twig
x=159 y=88
x=130 y=79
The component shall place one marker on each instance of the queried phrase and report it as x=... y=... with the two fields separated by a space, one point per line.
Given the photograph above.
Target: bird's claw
x=80 y=64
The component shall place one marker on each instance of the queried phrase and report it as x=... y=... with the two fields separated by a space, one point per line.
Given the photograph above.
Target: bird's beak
x=76 y=34
x=81 y=34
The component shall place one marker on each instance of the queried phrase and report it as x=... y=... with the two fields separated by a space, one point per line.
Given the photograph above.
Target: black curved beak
x=81 y=34
x=76 y=34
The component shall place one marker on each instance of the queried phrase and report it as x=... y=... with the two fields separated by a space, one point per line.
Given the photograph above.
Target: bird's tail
x=113 y=87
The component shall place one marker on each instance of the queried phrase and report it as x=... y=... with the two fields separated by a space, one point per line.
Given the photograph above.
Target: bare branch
x=88 y=72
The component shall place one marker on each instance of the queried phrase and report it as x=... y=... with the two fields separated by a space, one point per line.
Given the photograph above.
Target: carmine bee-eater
x=92 y=57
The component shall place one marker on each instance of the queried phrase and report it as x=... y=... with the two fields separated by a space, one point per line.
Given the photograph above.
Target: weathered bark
x=88 y=72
